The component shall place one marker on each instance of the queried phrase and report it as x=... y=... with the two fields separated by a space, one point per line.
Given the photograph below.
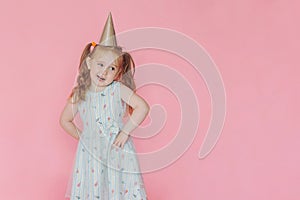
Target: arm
x=66 y=119
x=139 y=105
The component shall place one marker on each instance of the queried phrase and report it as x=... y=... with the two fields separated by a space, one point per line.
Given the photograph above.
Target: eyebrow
x=104 y=62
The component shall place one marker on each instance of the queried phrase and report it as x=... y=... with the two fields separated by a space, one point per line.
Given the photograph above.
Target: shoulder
x=73 y=102
x=124 y=87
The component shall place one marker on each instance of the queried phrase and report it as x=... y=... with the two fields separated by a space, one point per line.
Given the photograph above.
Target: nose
x=104 y=71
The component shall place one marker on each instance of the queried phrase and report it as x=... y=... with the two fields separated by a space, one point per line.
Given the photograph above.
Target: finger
x=118 y=144
x=115 y=147
x=116 y=141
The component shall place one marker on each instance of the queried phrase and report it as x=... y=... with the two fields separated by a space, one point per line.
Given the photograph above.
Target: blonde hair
x=124 y=75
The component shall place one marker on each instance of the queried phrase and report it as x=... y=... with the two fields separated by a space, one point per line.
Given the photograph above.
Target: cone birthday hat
x=108 y=37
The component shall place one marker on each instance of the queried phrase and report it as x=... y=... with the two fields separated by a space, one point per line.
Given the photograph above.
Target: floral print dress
x=100 y=170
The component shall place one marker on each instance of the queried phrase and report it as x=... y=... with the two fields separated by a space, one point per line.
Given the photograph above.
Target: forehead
x=105 y=55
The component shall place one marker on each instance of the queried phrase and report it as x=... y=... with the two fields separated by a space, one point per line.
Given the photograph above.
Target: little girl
x=106 y=166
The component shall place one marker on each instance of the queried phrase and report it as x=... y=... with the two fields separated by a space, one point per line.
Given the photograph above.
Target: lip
x=100 y=78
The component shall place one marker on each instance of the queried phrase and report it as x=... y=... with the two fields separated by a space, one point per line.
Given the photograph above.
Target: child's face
x=103 y=68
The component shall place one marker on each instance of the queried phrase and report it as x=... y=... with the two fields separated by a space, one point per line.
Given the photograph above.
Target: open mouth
x=100 y=78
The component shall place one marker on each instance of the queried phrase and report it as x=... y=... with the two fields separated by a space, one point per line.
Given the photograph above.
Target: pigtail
x=85 y=53
x=127 y=76
x=83 y=79
x=128 y=71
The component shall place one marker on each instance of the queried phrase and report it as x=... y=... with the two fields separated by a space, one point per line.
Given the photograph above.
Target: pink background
x=255 y=45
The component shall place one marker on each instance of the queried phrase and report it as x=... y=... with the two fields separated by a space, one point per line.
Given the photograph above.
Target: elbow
x=146 y=108
x=61 y=122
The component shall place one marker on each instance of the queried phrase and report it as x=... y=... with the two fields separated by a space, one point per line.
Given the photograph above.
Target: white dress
x=101 y=171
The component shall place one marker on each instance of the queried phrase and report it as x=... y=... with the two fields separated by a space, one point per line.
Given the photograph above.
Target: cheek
x=93 y=70
x=112 y=73
x=93 y=73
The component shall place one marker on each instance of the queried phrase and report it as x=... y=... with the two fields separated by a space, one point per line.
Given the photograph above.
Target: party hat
x=108 y=37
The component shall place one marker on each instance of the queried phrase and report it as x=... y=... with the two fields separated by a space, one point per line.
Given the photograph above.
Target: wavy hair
x=125 y=74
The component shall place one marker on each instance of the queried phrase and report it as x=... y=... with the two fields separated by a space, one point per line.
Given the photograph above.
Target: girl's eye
x=113 y=68
x=100 y=64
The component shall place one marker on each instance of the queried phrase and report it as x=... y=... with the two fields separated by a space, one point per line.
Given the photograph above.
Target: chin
x=102 y=84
